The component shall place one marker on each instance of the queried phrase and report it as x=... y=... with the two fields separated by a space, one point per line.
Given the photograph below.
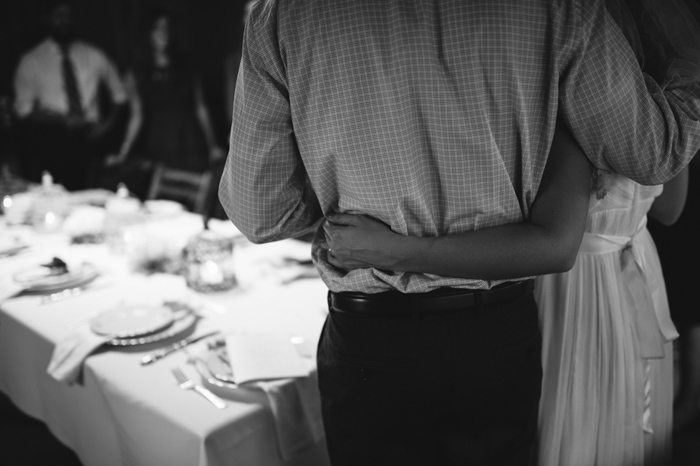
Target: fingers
x=331 y=228
x=328 y=229
x=336 y=261
x=333 y=260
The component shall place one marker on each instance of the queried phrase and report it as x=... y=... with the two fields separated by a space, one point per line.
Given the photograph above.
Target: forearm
x=203 y=117
x=265 y=205
x=547 y=242
x=265 y=189
x=132 y=130
x=207 y=129
x=503 y=252
x=659 y=156
x=623 y=119
x=668 y=207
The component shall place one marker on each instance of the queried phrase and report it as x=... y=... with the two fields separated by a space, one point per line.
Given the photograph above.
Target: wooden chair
x=190 y=188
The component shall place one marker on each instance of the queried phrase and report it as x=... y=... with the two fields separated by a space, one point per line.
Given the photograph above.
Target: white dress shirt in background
x=39 y=80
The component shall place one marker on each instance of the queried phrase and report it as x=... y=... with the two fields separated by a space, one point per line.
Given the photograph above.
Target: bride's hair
x=665 y=36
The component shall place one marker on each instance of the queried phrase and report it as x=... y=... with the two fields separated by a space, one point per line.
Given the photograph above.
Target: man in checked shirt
x=435 y=117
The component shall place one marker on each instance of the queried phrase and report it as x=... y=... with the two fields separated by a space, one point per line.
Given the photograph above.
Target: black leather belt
x=397 y=304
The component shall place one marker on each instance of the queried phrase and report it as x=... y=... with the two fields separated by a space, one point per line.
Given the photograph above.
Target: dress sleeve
x=25 y=88
x=623 y=119
x=264 y=188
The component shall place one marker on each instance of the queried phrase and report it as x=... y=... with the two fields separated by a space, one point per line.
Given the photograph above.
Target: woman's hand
x=216 y=153
x=115 y=159
x=358 y=242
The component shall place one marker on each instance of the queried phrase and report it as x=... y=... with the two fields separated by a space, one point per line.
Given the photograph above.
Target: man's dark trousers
x=421 y=388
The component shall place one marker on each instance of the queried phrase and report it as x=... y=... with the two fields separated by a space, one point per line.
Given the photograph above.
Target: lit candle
x=211 y=273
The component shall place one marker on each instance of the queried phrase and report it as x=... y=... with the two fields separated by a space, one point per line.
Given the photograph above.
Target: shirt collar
x=55 y=47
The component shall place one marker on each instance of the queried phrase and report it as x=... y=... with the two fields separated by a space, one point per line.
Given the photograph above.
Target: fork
x=187 y=384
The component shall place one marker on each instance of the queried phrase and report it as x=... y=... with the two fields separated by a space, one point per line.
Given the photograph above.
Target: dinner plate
x=216 y=363
x=178 y=326
x=41 y=279
x=132 y=320
x=10 y=248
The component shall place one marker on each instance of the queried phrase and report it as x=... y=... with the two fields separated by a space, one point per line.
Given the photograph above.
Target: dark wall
x=210 y=29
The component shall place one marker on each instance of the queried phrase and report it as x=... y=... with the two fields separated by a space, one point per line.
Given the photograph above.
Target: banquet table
x=124 y=413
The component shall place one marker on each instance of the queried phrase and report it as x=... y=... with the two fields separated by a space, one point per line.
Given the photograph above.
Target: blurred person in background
x=61 y=127
x=8 y=151
x=170 y=122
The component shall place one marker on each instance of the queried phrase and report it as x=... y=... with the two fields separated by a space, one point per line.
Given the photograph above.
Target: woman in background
x=170 y=122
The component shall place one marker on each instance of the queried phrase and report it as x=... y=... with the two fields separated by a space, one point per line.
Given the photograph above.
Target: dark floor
x=27 y=442
x=686 y=449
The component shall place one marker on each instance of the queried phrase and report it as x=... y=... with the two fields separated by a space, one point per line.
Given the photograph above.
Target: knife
x=163 y=352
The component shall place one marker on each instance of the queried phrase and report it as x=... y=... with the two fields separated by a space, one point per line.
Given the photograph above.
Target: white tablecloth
x=127 y=414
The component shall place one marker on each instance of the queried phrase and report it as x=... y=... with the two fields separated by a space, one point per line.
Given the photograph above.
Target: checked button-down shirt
x=435 y=117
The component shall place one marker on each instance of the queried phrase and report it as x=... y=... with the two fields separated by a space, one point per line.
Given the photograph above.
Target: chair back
x=189 y=188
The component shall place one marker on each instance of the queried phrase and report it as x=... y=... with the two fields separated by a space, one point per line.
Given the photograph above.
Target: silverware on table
x=187 y=384
x=218 y=380
x=163 y=352
x=75 y=291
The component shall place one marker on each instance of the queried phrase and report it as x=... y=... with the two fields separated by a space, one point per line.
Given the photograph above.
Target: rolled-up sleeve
x=621 y=117
x=25 y=88
x=264 y=188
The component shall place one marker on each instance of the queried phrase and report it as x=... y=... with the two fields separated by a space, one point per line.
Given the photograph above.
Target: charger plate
x=132 y=321
x=10 y=247
x=40 y=278
x=179 y=326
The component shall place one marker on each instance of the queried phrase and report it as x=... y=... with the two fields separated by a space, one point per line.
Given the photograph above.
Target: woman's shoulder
x=618 y=190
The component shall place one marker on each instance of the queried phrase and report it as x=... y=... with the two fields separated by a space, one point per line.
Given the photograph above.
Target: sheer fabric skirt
x=593 y=392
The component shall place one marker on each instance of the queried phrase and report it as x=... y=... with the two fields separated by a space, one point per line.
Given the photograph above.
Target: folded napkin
x=285 y=377
x=296 y=408
x=68 y=356
x=295 y=402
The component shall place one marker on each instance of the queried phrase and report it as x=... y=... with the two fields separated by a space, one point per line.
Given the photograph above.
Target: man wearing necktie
x=61 y=126
x=70 y=83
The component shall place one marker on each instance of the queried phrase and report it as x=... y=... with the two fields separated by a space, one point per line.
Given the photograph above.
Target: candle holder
x=50 y=205
x=209 y=265
x=123 y=211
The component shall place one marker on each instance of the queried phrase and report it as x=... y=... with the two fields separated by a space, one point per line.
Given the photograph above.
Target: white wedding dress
x=607 y=352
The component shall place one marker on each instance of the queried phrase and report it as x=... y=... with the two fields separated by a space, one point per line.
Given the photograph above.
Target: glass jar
x=122 y=212
x=49 y=205
x=209 y=264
